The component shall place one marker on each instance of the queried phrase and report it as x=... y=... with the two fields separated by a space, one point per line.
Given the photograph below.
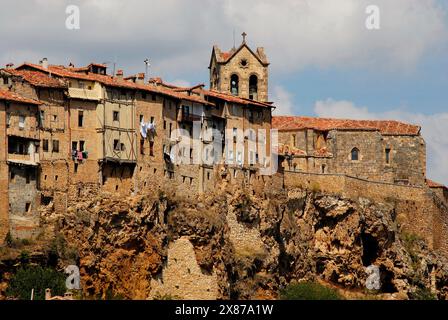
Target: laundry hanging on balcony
x=146 y=128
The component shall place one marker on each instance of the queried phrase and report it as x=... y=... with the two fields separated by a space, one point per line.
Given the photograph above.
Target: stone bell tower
x=240 y=72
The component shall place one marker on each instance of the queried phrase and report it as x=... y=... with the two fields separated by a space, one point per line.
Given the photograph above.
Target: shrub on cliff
x=309 y=291
x=38 y=279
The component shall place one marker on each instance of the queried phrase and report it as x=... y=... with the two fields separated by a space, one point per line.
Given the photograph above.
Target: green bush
x=423 y=294
x=309 y=291
x=38 y=279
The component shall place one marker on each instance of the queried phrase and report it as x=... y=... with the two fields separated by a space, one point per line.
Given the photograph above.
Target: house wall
x=122 y=130
x=24 y=199
x=4 y=203
x=85 y=170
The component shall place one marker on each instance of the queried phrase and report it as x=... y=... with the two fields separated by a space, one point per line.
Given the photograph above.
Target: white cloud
x=180 y=83
x=178 y=35
x=283 y=101
x=433 y=129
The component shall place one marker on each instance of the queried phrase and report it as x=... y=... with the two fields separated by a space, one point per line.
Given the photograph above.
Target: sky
x=324 y=60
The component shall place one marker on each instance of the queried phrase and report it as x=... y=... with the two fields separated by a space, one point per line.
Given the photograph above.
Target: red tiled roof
x=386 y=127
x=108 y=80
x=231 y=98
x=37 y=78
x=433 y=184
x=12 y=96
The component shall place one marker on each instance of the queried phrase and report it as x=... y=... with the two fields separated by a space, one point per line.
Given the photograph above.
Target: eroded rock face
x=242 y=246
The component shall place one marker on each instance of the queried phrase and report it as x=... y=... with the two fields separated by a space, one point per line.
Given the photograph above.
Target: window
x=27 y=207
x=55 y=145
x=152 y=119
x=27 y=177
x=234 y=85
x=13 y=176
x=253 y=87
x=151 y=148
x=117 y=145
x=235 y=130
x=355 y=154
x=56 y=178
x=21 y=122
x=41 y=117
x=292 y=141
x=154 y=97
x=8 y=119
x=82 y=145
x=143 y=95
x=80 y=119
x=141 y=118
x=164 y=124
x=142 y=146
x=239 y=158
x=387 y=155
x=75 y=145
x=75 y=168
x=55 y=118
x=323 y=168
x=116 y=116
x=45 y=145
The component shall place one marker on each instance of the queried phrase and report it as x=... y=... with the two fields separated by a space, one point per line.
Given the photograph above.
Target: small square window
x=116 y=116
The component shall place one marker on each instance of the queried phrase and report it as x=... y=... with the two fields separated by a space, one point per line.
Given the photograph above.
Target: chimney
x=119 y=74
x=44 y=63
x=140 y=78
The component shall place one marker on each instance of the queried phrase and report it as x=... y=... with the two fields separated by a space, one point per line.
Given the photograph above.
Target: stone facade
x=87 y=127
x=368 y=150
x=240 y=72
x=182 y=277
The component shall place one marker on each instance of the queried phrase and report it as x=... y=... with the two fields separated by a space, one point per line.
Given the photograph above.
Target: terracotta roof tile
x=37 y=78
x=433 y=184
x=108 y=80
x=231 y=98
x=12 y=96
x=386 y=127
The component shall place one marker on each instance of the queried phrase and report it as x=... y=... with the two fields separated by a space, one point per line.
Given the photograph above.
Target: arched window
x=355 y=154
x=253 y=87
x=234 y=85
x=214 y=79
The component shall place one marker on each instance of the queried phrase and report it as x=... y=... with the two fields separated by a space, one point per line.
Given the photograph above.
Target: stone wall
x=182 y=277
x=406 y=163
x=24 y=200
x=4 y=177
x=419 y=209
x=253 y=67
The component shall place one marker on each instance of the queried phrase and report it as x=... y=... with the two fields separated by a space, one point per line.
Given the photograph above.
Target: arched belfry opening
x=214 y=82
x=234 y=84
x=253 y=87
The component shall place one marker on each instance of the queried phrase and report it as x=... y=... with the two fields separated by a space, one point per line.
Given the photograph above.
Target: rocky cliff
x=240 y=245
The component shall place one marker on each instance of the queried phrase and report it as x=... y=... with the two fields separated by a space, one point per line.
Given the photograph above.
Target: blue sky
x=324 y=61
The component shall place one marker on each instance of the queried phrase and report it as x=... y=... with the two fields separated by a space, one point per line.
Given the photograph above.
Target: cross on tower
x=244 y=34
